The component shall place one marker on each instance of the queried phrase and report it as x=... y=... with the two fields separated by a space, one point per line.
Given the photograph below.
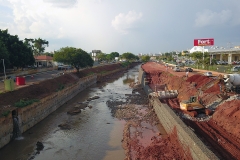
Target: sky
x=136 y=26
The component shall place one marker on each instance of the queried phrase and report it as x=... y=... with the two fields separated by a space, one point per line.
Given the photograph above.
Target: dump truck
x=232 y=82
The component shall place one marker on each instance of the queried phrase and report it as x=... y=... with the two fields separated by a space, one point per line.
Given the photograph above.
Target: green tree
x=128 y=56
x=38 y=45
x=110 y=57
x=78 y=58
x=145 y=58
x=19 y=53
x=114 y=54
x=101 y=57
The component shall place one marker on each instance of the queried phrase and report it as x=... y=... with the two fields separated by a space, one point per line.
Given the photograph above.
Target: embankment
x=32 y=114
x=169 y=120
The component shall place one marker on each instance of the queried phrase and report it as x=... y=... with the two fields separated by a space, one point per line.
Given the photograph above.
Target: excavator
x=194 y=105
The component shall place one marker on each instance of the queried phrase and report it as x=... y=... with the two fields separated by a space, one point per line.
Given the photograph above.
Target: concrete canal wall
x=32 y=114
x=169 y=120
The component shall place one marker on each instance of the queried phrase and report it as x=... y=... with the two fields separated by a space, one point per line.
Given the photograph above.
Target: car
x=10 y=77
x=188 y=70
x=176 y=69
x=209 y=74
x=235 y=69
x=32 y=67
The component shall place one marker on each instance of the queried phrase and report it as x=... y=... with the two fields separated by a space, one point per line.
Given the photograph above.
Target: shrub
x=23 y=103
x=5 y=113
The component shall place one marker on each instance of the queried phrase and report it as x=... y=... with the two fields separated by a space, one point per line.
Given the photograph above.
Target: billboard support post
x=203 y=42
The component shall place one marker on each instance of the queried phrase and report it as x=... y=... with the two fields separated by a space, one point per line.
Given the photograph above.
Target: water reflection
x=129 y=79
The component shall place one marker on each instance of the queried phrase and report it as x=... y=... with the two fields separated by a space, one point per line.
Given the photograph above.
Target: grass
x=23 y=103
x=60 y=87
x=90 y=73
x=5 y=113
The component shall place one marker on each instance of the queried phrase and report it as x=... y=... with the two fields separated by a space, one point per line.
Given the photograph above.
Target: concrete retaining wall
x=32 y=114
x=169 y=120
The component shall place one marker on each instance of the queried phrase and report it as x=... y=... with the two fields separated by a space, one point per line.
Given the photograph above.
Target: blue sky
x=136 y=26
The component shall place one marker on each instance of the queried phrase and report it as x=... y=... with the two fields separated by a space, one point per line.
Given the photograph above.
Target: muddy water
x=94 y=133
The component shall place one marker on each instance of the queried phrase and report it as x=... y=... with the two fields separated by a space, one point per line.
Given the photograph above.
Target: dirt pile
x=142 y=138
x=227 y=115
x=222 y=130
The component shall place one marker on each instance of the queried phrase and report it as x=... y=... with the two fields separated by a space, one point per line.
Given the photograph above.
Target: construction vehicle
x=194 y=105
x=232 y=82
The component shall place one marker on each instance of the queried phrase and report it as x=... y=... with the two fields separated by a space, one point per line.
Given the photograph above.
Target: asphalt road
x=33 y=78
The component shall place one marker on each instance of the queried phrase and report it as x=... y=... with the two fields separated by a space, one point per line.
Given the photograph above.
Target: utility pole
x=4 y=68
x=203 y=56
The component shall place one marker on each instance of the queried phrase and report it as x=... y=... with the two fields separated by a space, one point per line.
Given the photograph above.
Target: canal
x=92 y=135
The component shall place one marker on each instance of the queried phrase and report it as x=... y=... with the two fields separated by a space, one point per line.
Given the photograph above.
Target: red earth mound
x=223 y=130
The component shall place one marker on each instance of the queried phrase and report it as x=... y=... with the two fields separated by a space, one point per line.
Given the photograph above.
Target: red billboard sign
x=204 y=42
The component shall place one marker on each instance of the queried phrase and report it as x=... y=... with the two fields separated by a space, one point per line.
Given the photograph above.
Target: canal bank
x=170 y=121
x=29 y=116
x=92 y=134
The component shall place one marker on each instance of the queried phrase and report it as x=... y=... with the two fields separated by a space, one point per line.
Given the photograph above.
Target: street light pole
x=4 y=68
x=203 y=56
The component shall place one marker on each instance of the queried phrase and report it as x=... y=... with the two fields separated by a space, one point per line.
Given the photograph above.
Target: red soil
x=222 y=132
x=164 y=148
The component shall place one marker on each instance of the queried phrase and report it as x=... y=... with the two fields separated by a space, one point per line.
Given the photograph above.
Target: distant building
x=237 y=47
x=43 y=61
x=197 y=49
x=95 y=53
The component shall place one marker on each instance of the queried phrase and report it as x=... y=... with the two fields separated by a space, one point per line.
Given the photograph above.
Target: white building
x=197 y=49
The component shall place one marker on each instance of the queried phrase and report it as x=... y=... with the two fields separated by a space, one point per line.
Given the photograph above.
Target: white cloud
x=62 y=3
x=123 y=22
x=207 y=18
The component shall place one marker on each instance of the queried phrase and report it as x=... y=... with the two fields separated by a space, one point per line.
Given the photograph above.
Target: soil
x=143 y=137
x=221 y=131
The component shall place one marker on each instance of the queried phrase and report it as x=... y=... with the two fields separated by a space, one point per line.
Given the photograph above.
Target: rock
x=89 y=106
x=74 y=111
x=39 y=146
x=64 y=126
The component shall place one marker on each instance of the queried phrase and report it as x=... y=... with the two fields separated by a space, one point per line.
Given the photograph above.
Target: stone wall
x=169 y=120
x=32 y=114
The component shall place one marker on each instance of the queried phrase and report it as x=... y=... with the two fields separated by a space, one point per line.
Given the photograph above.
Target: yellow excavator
x=195 y=105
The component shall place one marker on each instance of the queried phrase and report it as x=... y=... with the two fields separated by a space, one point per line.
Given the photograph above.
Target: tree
x=114 y=54
x=101 y=56
x=38 y=45
x=110 y=57
x=145 y=58
x=78 y=58
x=128 y=56
x=19 y=53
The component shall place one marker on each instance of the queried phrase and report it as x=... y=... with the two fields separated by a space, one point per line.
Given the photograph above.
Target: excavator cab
x=192 y=99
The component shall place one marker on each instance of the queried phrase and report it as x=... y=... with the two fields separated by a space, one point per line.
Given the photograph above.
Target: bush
x=5 y=113
x=23 y=103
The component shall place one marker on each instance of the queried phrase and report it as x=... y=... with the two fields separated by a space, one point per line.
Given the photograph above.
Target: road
x=36 y=77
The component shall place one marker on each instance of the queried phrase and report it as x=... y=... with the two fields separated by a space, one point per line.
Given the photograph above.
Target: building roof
x=43 y=57
x=197 y=49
